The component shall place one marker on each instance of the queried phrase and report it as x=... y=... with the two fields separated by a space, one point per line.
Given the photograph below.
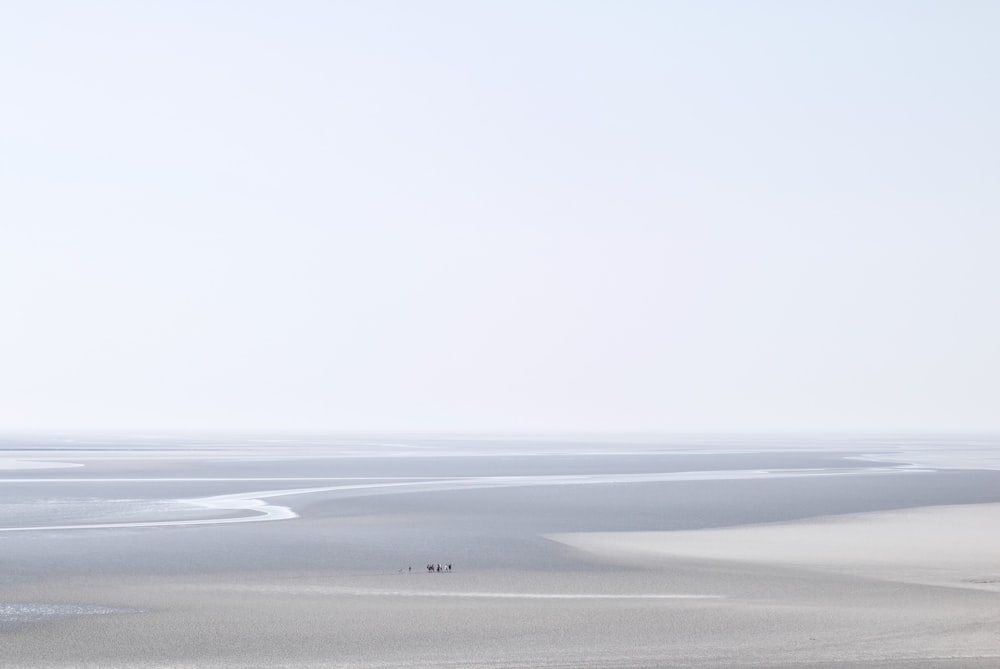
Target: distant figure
x=449 y=566
x=409 y=569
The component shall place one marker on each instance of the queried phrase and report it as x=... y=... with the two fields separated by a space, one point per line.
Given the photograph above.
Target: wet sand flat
x=316 y=620
x=763 y=596
x=565 y=555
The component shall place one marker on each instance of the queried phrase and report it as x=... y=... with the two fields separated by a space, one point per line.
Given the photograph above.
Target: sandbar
x=955 y=546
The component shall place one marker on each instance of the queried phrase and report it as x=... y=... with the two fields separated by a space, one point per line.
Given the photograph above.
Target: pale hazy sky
x=537 y=215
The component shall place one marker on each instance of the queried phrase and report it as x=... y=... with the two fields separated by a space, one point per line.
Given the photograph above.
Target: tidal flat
x=312 y=550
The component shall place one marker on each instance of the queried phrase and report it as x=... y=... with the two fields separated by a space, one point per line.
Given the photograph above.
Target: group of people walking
x=434 y=567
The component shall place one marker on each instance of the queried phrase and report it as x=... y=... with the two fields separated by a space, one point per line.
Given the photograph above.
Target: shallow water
x=16 y=615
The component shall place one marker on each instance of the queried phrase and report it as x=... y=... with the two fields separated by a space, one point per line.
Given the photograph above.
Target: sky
x=514 y=216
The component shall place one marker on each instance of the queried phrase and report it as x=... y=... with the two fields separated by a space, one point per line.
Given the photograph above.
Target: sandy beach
x=911 y=588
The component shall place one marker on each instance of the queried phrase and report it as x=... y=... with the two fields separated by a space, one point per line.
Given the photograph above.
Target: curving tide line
x=257 y=509
x=253 y=502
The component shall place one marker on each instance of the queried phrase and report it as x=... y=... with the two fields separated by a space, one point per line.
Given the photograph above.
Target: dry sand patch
x=956 y=546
